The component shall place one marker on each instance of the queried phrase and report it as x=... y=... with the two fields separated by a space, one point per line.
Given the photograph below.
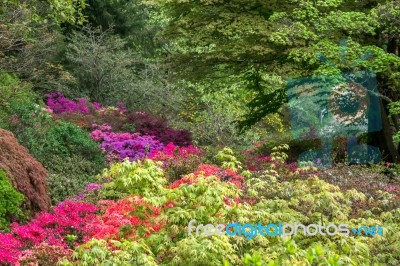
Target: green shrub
x=144 y=178
x=69 y=176
x=15 y=98
x=65 y=140
x=71 y=157
x=99 y=252
x=12 y=90
x=10 y=201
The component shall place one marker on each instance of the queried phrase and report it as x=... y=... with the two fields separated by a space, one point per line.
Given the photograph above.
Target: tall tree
x=30 y=38
x=261 y=44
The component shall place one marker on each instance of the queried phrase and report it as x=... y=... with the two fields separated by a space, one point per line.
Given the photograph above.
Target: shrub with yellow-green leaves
x=267 y=197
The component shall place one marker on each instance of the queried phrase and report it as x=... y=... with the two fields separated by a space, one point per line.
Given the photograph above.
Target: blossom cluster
x=48 y=232
x=171 y=150
x=207 y=170
x=60 y=104
x=119 y=146
x=129 y=214
x=69 y=217
x=177 y=161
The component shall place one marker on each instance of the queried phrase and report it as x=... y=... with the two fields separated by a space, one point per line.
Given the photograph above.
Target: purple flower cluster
x=125 y=145
x=93 y=186
x=59 y=104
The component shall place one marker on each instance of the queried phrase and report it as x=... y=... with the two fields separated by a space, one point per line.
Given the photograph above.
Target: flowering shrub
x=43 y=254
x=119 y=146
x=171 y=150
x=9 y=248
x=68 y=218
x=205 y=170
x=177 y=161
x=59 y=104
x=146 y=124
x=126 y=218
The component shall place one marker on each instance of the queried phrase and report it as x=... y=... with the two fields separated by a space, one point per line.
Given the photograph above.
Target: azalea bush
x=85 y=113
x=126 y=218
x=119 y=146
x=69 y=218
x=147 y=124
x=60 y=104
x=178 y=161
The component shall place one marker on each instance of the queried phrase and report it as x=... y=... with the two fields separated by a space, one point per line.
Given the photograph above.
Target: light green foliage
x=10 y=201
x=394 y=109
x=198 y=250
x=227 y=159
x=292 y=255
x=278 y=153
x=117 y=253
x=303 y=201
x=139 y=178
x=61 y=11
x=13 y=91
x=201 y=201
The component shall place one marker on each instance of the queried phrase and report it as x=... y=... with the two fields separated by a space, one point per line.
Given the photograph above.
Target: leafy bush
x=13 y=94
x=43 y=254
x=59 y=104
x=139 y=178
x=100 y=252
x=72 y=157
x=66 y=139
x=10 y=201
x=69 y=176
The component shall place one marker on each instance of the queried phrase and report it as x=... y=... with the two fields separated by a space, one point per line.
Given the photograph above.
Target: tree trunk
x=383 y=138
